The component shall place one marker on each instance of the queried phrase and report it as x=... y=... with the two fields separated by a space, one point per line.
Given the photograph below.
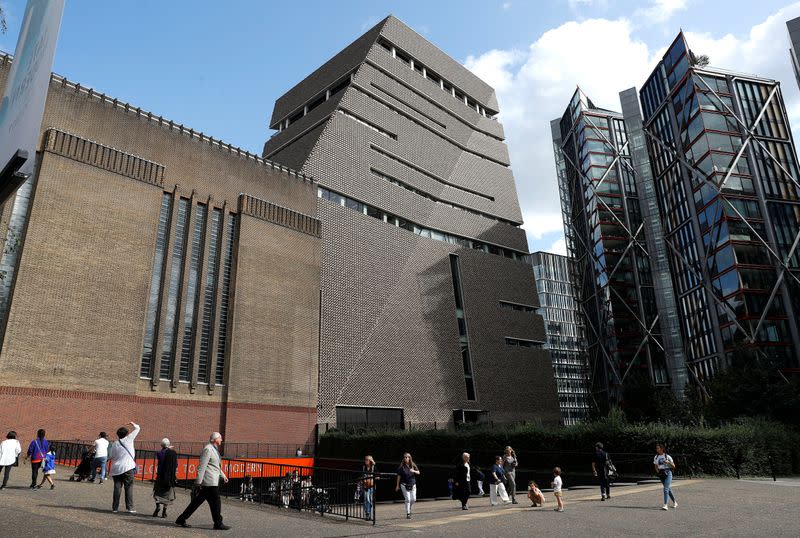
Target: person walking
x=368 y=485
x=600 y=470
x=463 y=480
x=407 y=474
x=497 y=482
x=10 y=450
x=510 y=468
x=100 y=457
x=206 y=485
x=664 y=465
x=48 y=469
x=123 y=466
x=37 y=450
x=164 y=485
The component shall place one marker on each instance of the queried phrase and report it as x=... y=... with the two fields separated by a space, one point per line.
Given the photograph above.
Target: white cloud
x=659 y=10
x=506 y=6
x=535 y=84
x=559 y=247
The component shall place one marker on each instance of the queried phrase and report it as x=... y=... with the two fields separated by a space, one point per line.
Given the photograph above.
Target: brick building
x=428 y=298
x=154 y=274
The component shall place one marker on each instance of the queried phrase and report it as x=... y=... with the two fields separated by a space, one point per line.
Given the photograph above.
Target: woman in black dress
x=462 y=481
x=164 y=486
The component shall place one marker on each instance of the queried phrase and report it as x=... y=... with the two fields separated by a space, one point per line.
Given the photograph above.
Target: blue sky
x=219 y=66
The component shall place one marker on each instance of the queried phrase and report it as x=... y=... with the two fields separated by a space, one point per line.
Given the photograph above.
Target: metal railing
x=336 y=492
x=232 y=450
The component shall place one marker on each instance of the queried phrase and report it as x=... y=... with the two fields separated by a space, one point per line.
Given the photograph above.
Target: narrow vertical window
x=192 y=289
x=155 y=286
x=461 y=318
x=209 y=297
x=224 y=310
x=175 y=274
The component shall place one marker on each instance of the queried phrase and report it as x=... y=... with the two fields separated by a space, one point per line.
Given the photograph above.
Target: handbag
x=611 y=469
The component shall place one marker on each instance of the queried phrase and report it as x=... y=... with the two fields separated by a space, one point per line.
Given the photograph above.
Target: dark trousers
x=605 y=489
x=461 y=492
x=209 y=494
x=123 y=480
x=6 y=473
x=35 y=472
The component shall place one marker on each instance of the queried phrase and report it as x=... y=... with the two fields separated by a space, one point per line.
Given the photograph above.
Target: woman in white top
x=664 y=466
x=9 y=452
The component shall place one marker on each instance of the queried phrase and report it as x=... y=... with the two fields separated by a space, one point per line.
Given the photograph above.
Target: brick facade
x=80 y=291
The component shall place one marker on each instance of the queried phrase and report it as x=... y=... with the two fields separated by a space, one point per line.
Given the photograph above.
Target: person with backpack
x=602 y=469
x=37 y=451
x=123 y=466
x=664 y=465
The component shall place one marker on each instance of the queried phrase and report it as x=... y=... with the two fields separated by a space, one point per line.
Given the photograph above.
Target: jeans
x=35 y=472
x=369 y=496
x=99 y=462
x=511 y=485
x=6 y=473
x=605 y=488
x=410 y=496
x=208 y=494
x=667 y=481
x=123 y=480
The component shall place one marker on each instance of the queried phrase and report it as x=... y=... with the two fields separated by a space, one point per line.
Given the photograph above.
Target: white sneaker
x=665 y=507
x=674 y=504
x=131 y=511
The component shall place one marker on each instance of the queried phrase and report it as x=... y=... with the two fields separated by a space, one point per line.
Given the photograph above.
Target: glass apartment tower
x=608 y=251
x=565 y=334
x=725 y=169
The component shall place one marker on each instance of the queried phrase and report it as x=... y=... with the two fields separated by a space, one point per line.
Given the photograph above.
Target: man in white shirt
x=100 y=457
x=123 y=466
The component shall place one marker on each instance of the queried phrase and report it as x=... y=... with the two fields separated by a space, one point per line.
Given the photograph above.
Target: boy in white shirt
x=100 y=457
x=556 y=485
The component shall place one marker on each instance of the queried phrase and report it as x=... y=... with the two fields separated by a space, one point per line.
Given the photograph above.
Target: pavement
x=709 y=507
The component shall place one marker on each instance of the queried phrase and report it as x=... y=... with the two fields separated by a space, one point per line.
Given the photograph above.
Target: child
x=535 y=495
x=479 y=481
x=556 y=485
x=49 y=468
x=246 y=490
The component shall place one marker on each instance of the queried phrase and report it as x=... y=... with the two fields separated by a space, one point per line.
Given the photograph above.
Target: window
x=369 y=417
x=209 y=297
x=174 y=290
x=151 y=322
x=461 y=319
x=192 y=289
x=519 y=342
x=224 y=311
x=516 y=306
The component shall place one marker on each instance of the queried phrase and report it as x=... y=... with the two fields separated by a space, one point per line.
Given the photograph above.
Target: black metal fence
x=336 y=492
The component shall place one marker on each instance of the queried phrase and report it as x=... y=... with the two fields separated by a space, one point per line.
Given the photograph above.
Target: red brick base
x=82 y=415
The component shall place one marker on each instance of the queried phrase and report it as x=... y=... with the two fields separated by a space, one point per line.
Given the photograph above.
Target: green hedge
x=753 y=448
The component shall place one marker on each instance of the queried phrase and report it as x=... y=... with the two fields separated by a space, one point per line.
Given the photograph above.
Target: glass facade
x=461 y=318
x=610 y=263
x=191 y=292
x=224 y=310
x=725 y=168
x=565 y=334
x=209 y=297
x=174 y=290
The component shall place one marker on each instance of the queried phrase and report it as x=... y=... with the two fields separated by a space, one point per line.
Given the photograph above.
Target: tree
x=754 y=386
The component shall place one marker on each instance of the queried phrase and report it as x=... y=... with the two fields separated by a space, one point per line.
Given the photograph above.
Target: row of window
x=446 y=86
x=316 y=101
x=167 y=285
x=516 y=306
x=406 y=186
x=519 y=342
x=367 y=124
x=430 y=233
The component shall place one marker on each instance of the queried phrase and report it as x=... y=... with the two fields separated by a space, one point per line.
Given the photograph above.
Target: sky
x=218 y=67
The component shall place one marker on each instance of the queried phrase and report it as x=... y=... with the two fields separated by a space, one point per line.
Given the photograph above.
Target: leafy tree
x=754 y=386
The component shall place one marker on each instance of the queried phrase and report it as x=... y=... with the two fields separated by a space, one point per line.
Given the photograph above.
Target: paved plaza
x=711 y=507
